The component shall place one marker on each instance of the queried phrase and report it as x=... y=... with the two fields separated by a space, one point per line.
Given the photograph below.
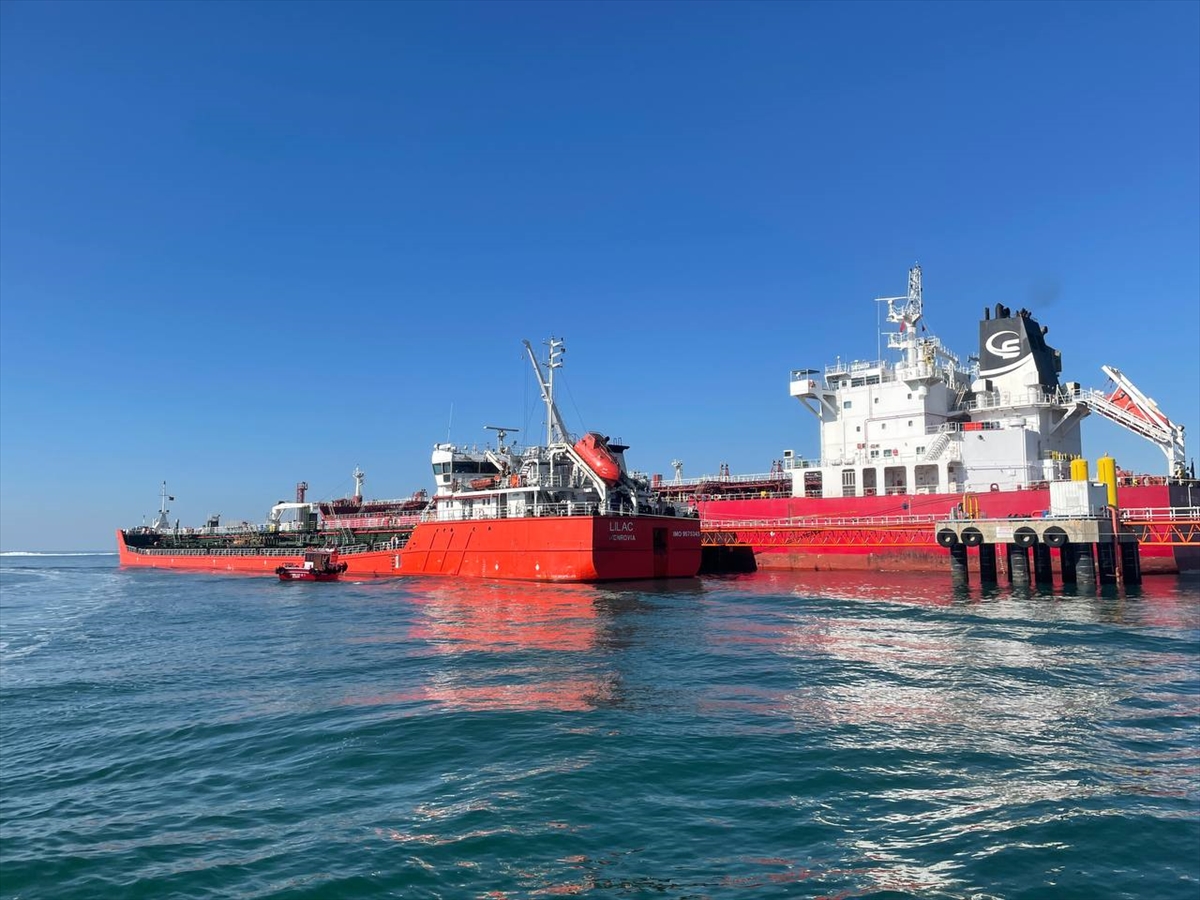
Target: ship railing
x=1139 y=480
x=1160 y=513
x=721 y=479
x=816 y=521
x=784 y=490
x=1141 y=514
x=1028 y=398
x=220 y=551
x=566 y=508
x=861 y=367
x=372 y=522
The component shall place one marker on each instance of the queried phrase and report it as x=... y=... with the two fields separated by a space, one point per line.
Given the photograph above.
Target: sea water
x=165 y=734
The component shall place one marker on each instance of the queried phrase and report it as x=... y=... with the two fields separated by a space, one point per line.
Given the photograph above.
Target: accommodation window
x=920 y=451
x=845 y=404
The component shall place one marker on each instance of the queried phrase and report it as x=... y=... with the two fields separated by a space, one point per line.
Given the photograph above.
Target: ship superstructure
x=916 y=437
x=925 y=423
x=563 y=477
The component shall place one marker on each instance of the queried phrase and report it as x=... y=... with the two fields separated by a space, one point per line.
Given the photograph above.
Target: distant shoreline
x=57 y=553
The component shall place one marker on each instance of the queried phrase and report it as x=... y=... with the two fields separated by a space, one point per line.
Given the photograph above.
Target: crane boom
x=1126 y=405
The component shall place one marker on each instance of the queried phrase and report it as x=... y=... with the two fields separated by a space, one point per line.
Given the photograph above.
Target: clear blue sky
x=243 y=245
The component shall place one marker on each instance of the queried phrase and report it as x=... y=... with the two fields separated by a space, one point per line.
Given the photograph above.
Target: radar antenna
x=677 y=465
x=501 y=431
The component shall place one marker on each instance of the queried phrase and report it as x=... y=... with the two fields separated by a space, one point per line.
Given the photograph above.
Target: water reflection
x=509 y=647
x=460 y=617
x=1166 y=599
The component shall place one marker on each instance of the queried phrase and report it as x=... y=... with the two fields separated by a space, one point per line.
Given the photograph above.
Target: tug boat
x=318 y=565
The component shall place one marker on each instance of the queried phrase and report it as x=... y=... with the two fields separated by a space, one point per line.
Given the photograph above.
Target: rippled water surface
x=177 y=735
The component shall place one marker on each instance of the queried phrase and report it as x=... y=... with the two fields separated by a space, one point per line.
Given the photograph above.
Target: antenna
x=450 y=424
x=906 y=316
x=677 y=465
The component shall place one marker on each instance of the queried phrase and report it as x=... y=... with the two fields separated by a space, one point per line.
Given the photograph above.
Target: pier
x=1088 y=549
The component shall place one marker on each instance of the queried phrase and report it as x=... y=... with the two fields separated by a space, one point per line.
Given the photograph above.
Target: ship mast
x=906 y=316
x=553 y=419
x=162 y=523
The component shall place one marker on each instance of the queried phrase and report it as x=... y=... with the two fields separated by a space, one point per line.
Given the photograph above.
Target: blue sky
x=243 y=245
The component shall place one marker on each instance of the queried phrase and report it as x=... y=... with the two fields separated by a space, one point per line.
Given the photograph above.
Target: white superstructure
x=564 y=477
x=924 y=423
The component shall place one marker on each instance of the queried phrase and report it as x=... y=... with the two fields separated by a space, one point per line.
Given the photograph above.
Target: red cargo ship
x=908 y=441
x=565 y=511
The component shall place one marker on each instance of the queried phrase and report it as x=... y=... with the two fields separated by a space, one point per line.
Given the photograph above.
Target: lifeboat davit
x=593 y=447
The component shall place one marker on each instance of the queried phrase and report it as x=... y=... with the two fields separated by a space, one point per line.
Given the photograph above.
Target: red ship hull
x=552 y=549
x=891 y=533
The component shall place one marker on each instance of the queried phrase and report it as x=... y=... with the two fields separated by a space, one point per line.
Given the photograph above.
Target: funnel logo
x=1008 y=348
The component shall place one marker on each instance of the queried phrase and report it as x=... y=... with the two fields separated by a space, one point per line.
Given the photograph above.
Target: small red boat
x=318 y=565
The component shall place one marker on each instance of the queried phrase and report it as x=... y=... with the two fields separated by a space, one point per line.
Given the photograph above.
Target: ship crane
x=1133 y=410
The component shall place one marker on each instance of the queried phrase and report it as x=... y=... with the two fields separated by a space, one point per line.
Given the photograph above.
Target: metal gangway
x=1133 y=410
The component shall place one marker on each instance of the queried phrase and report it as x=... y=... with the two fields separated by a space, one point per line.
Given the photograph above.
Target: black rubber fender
x=1055 y=537
x=1025 y=536
x=947 y=537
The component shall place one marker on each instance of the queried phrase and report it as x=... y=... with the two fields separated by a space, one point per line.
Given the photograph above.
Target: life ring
x=994 y=487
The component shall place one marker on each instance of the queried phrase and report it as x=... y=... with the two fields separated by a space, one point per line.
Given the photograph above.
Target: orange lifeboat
x=485 y=484
x=593 y=447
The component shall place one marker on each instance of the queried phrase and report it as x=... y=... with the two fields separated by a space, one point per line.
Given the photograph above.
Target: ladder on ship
x=940 y=443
